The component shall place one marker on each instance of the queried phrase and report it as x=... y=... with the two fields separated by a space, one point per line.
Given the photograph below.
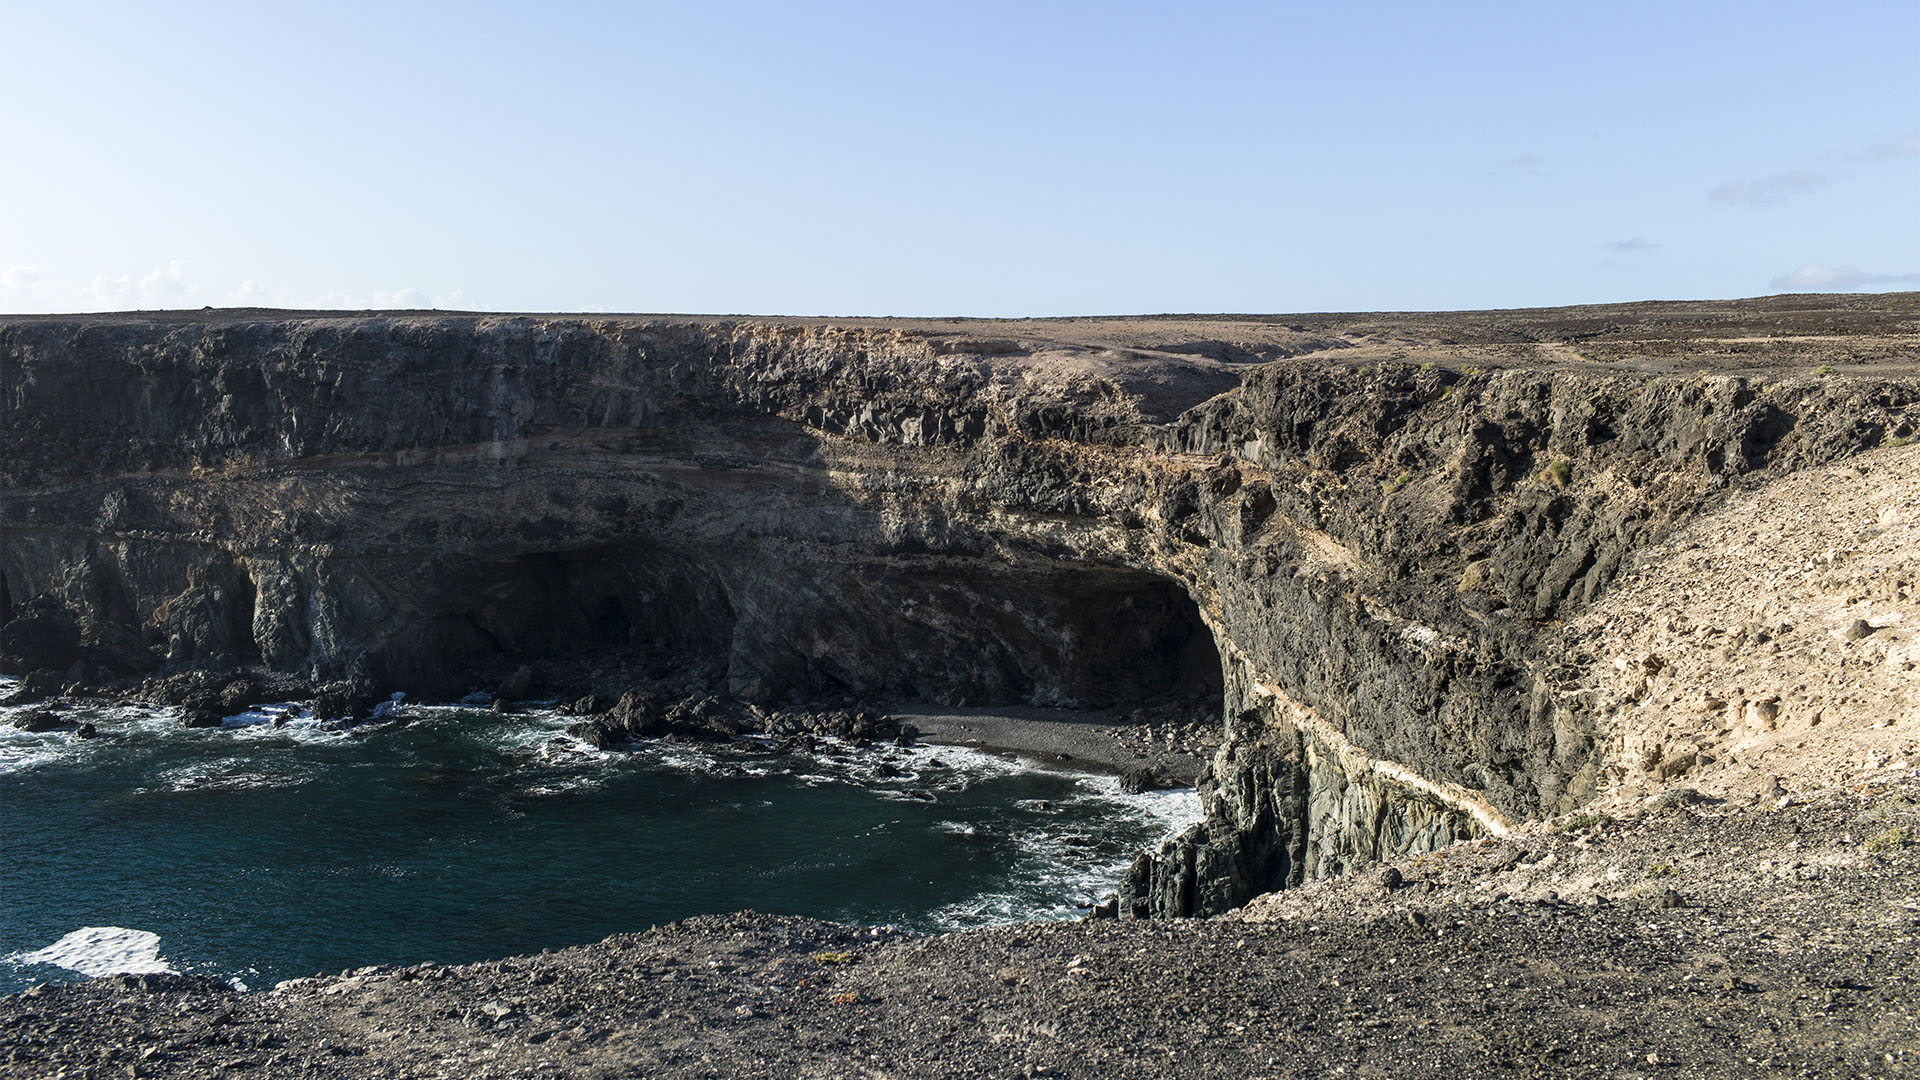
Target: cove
x=259 y=853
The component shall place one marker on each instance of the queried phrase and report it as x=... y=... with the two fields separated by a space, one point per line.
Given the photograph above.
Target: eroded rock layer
x=1351 y=538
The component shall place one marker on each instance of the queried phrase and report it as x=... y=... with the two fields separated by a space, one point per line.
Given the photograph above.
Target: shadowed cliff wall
x=1373 y=557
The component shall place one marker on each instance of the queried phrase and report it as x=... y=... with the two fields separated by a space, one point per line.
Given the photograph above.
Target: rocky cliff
x=1354 y=540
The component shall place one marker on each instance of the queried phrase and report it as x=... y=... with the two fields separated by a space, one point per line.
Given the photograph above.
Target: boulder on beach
x=1140 y=779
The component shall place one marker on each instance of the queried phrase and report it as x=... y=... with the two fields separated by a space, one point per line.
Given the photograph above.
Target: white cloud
x=164 y=287
x=1905 y=146
x=1524 y=165
x=1638 y=245
x=384 y=300
x=1778 y=187
x=1768 y=190
x=24 y=289
x=1816 y=278
x=19 y=279
x=251 y=295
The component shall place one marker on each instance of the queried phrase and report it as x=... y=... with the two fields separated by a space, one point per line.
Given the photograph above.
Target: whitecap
x=1174 y=810
x=271 y=714
x=1058 y=872
x=563 y=785
x=21 y=751
x=102 y=950
x=222 y=774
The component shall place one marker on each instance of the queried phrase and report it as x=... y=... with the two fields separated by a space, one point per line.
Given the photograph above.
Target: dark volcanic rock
x=116 y=651
x=587 y=705
x=42 y=634
x=1358 y=562
x=597 y=733
x=39 y=720
x=238 y=694
x=515 y=685
x=344 y=701
x=638 y=714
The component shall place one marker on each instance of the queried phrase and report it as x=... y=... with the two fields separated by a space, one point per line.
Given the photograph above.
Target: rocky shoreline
x=1419 y=588
x=1360 y=539
x=1689 y=936
x=1148 y=748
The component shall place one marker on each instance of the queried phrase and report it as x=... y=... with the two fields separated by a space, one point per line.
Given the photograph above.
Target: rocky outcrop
x=1357 y=555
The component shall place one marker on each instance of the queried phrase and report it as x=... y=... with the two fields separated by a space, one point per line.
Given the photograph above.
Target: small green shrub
x=1399 y=482
x=1659 y=870
x=1559 y=473
x=1474 y=578
x=835 y=958
x=1886 y=811
x=1825 y=369
x=1892 y=840
x=1581 y=821
x=1900 y=440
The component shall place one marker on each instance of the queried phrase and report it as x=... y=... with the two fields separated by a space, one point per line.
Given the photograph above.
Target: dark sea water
x=258 y=853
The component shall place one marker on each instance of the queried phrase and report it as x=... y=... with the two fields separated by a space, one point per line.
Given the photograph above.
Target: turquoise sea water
x=257 y=852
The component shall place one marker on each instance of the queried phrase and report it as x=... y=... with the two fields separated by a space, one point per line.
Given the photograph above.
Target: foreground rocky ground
x=1777 y=936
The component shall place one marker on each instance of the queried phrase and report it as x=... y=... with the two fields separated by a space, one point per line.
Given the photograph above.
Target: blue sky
x=966 y=159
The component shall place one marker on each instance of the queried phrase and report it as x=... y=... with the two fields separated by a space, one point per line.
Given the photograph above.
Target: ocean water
x=258 y=852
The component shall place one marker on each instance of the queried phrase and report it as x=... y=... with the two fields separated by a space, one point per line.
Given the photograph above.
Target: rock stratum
x=1396 y=558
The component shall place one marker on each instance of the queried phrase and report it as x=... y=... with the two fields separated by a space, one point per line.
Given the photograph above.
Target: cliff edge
x=1378 y=551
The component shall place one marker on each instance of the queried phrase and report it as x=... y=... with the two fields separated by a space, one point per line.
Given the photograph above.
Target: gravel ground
x=1689 y=938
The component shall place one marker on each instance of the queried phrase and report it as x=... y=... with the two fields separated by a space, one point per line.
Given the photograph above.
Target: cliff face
x=1361 y=549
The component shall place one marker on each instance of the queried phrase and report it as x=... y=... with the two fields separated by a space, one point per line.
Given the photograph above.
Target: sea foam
x=102 y=950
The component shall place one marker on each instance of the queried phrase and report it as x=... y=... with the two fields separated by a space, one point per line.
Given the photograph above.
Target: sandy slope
x=1770 y=643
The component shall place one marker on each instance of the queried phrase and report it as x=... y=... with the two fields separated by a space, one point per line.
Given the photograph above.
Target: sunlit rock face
x=1349 y=541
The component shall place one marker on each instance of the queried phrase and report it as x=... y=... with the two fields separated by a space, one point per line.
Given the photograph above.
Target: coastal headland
x=1552 y=670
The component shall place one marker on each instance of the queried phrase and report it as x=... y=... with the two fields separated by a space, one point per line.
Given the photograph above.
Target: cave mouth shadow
x=887 y=631
x=1049 y=634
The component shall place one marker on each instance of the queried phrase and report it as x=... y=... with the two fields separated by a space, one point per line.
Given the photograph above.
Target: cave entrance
x=638 y=605
x=923 y=629
x=967 y=634
x=1110 y=639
